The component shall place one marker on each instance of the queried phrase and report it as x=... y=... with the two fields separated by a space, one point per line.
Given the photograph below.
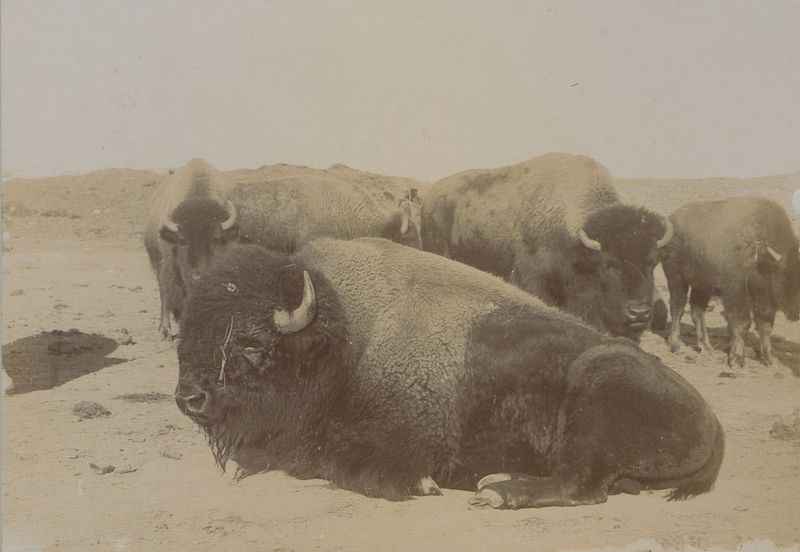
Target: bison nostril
x=192 y=400
x=638 y=312
x=196 y=402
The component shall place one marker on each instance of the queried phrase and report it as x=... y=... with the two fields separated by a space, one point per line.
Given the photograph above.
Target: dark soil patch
x=50 y=359
x=149 y=397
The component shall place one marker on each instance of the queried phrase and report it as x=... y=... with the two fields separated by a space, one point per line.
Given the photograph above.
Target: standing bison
x=555 y=227
x=390 y=371
x=743 y=250
x=190 y=220
x=197 y=212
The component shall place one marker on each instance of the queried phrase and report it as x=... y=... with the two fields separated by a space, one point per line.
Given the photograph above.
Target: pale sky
x=414 y=88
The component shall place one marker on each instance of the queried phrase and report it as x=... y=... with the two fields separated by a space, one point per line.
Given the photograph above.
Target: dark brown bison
x=190 y=220
x=197 y=212
x=391 y=371
x=555 y=227
x=743 y=250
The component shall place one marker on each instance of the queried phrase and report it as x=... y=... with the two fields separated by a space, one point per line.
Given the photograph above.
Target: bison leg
x=170 y=327
x=699 y=302
x=677 y=303
x=764 y=322
x=737 y=313
x=524 y=491
x=171 y=289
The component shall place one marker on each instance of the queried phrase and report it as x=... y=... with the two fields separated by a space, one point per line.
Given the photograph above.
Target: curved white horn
x=589 y=242
x=170 y=225
x=290 y=322
x=231 y=216
x=669 y=230
x=775 y=255
x=406 y=222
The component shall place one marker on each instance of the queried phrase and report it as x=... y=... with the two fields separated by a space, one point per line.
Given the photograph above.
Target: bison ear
x=171 y=236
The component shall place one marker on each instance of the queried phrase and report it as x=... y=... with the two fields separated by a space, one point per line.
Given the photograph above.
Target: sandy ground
x=73 y=260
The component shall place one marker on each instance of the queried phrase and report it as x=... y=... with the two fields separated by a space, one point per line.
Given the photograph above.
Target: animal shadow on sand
x=50 y=359
x=784 y=351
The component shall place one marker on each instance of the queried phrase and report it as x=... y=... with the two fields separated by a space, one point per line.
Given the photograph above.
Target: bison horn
x=589 y=242
x=170 y=225
x=775 y=255
x=405 y=223
x=668 y=231
x=231 y=216
x=290 y=322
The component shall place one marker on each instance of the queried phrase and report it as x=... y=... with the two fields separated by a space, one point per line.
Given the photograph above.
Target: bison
x=197 y=212
x=391 y=371
x=285 y=213
x=555 y=227
x=743 y=250
x=190 y=220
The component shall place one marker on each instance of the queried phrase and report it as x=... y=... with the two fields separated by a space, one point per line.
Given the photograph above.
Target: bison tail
x=703 y=480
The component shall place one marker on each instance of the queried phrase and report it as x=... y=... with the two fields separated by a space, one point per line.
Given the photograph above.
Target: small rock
x=128 y=468
x=787 y=428
x=171 y=452
x=727 y=375
x=137 y=288
x=102 y=471
x=60 y=306
x=88 y=409
x=17 y=292
x=779 y=375
x=123 y=337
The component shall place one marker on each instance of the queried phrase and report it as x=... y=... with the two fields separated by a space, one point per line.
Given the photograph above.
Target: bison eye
x=254 y=355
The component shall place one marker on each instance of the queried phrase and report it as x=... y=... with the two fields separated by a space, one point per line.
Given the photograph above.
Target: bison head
x=260 y=354
x=616 y=252
x=781 y=269
x=198 y=229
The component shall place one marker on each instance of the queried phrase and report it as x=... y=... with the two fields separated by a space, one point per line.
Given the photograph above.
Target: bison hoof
x=734 y=359
x=428 y=487
x=168 y=335
x=493 y=478
x=487 y=498
x=768 y=360
x=674 y=346
x=705 y=347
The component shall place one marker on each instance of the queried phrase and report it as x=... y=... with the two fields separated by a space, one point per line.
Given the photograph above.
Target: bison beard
x=571 y=415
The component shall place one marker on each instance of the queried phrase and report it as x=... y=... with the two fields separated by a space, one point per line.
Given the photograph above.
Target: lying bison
x=391 y=371
x=190 y=220
x=555 y=227
x=743 y=250
x=196 y=213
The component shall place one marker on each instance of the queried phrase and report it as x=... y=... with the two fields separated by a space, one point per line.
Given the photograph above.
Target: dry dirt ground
x=80 y=318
